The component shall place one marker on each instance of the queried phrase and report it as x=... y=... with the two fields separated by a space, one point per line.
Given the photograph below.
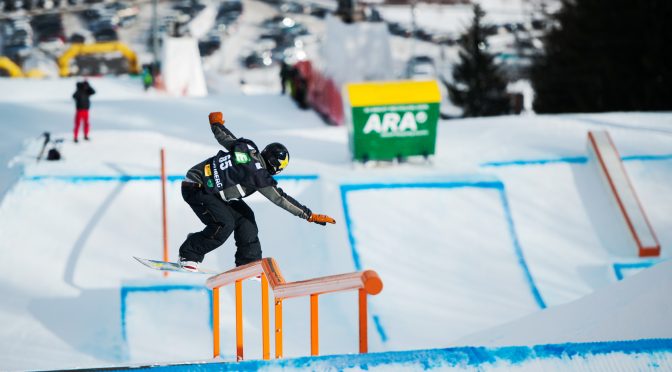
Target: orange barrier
x=164 y=214
x=366 y=282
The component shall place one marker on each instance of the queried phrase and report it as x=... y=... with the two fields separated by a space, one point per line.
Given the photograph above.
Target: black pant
x=221 y=219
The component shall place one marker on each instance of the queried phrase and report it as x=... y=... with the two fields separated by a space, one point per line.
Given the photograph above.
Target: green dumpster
x=393 y=119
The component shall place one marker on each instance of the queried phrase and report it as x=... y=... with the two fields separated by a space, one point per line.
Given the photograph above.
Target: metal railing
x=365 y=282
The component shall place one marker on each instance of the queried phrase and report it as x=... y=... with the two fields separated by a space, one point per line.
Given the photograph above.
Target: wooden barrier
x=365 y=282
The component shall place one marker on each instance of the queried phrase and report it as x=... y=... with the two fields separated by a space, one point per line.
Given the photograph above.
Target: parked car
x=77 y=38
x=292 y=7
x=105 y=35
x=230 y=6
x=420 y=67
x=398 y=29
x=257 y=60
x=278 y=22
x=319 y=11
x=209 y=44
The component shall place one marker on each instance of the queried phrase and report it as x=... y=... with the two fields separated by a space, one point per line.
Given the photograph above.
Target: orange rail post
x=314 y=333
x=163 y=204
x=278 y=328
x=266 y=349
x=363 y=331
x=239 y=320
x=215 y=322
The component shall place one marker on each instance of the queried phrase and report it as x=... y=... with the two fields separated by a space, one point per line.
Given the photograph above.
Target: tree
x=478 y=86
x=606 y=55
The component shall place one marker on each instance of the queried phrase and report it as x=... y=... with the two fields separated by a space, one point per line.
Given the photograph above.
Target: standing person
x=82 y=104
x=284 y=75
x=147 y=79
x=215 y=188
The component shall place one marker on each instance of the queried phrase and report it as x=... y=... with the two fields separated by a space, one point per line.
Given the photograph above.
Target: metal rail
x=365 y=282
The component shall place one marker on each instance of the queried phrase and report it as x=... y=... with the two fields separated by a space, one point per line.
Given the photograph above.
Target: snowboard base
x=171 y=266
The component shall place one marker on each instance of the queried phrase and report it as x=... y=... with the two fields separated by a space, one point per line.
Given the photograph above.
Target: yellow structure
x=35 y=74
x=97 y=48
x=379 y=93
x=12 y=68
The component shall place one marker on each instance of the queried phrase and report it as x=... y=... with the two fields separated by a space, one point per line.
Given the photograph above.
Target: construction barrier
x=366 y=282
x=97 y=48
x=602 y=150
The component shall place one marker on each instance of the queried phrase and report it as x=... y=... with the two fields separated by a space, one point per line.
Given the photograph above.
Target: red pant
x=82 y=116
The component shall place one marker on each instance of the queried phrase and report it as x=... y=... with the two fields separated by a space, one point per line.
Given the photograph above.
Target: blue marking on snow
x=621 y=268
x=524 y=162
x=157 y=288
x=646 y=157
x=656 y=352
x=379 y=327
x=367 y=186
x=497 y=185
x=570 y=160
x=518 y=249
x=129 y=178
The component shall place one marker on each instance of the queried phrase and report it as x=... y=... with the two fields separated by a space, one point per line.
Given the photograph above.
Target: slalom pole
x=163 y=208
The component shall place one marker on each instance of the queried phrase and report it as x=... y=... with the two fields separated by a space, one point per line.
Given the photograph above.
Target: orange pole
x=239 y=320
x=363 y=330
x=163 y=208
x=215 y=322
x=278 y=328
x=314 y=336
x=266 y=348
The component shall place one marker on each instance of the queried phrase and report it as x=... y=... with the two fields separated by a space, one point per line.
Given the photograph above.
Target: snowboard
x=171 y=266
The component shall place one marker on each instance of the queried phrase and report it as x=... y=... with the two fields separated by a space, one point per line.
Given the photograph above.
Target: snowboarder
x=82 y=103
x=215 y=188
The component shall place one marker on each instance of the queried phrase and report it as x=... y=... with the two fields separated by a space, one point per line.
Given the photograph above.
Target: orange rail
x=365 y=282
x=163 y=208
x=215 y=321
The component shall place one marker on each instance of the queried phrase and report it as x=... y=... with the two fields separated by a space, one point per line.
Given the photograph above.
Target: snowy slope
x=505 y=221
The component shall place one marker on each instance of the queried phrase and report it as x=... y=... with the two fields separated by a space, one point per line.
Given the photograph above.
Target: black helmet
x=276 y=157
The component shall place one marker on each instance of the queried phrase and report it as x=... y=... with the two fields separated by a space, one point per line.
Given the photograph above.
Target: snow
x=507 y=219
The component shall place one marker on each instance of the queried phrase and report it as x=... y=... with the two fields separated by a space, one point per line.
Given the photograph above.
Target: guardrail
x=366 y=282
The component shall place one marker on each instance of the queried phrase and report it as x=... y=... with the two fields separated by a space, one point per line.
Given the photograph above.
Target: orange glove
x=216 y=118
x=322 y=219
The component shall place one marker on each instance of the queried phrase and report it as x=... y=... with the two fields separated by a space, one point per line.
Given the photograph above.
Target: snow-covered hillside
x=508 y=219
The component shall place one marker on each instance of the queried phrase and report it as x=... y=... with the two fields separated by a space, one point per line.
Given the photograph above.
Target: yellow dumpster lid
x=381 y=93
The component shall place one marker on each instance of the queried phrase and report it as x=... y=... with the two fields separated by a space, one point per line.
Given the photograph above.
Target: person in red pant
x=82 y=103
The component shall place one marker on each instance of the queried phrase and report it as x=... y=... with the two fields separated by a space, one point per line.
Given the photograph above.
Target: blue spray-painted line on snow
x=129 y=178
x=497 y=185
x=508 y=163
x=158 y=288
x=620 y=268
x=379 y=328
x=570 y=160
x=646 y=157
x=518 y=249
x=656 y=353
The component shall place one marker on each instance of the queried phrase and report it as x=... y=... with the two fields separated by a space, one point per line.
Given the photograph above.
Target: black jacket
x=81 y=96
x=239 y=170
